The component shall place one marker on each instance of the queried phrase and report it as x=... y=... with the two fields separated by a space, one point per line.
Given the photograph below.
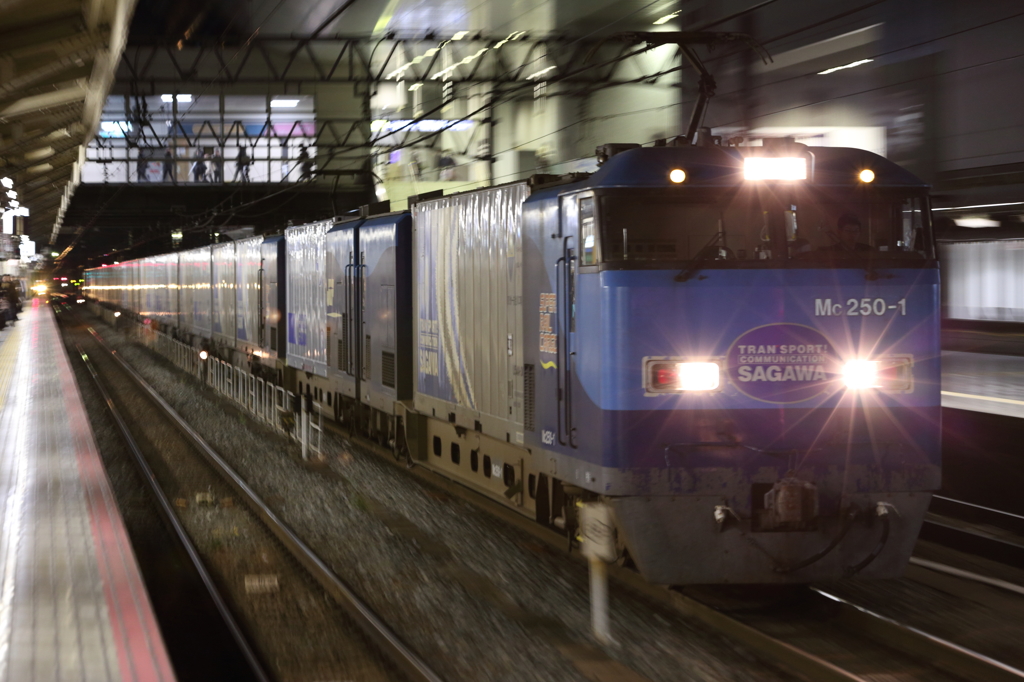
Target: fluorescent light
x=667 y=18
x=845 y=66
x=774 y=168
x=460 y=35
x=170 y=98
x=278 y=103
x=973 y=222
x=12 y=194
x=7 y=182
x=540 y=73
x=962 y=208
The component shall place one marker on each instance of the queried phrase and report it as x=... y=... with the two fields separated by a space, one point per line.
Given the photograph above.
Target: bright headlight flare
x=774 y=168
x=669 y=375
x=892 y=373
x=698 y=376
x=677 y=175
x=867 y=175
x=859 y=374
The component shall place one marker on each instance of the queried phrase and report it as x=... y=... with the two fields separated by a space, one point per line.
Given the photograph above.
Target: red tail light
x=664 y=376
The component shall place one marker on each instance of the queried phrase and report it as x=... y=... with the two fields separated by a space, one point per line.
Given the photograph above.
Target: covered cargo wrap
x=307 y=297
x=248 y=282
x=131 y=280
x=159 y=291
x=467 y=273
x=272 y=295
x=387 y=326
x=342 y=301
x=222 y=258
x=983 y=280
x=194 y=294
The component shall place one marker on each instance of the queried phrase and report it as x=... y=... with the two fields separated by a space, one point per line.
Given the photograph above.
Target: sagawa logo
x=782 y=363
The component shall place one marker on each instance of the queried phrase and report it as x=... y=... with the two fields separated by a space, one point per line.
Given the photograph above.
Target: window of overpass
x=199 y=138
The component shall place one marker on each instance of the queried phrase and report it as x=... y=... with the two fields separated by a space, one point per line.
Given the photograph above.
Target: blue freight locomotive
x=733 y=350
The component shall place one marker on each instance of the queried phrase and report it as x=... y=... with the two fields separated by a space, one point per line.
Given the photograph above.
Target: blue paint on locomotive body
x=593 y=405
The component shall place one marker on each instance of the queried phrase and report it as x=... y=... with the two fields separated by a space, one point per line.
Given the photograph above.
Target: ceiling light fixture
x=540 y=73
x=961 y=208
x=170 y=98
x=667 y=18
x=284 y=103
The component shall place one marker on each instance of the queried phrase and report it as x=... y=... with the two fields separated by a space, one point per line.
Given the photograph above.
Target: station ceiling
x=57 y=64
x=175 y=19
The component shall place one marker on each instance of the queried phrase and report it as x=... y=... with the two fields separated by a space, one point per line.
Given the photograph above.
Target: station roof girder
x=291 y=62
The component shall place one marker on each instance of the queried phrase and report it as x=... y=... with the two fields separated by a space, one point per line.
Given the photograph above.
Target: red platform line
x=140 y=647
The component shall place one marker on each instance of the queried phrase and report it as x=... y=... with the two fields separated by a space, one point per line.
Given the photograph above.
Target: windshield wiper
x=695 y=265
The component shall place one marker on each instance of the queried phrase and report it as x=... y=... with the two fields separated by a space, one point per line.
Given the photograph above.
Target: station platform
x=981 y=382
x=72 y=601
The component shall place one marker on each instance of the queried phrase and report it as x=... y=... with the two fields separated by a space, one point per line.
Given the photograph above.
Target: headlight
x=671 y=376
x=892 y=373
x=774 y=168
x=860 y=374
x=698 y=376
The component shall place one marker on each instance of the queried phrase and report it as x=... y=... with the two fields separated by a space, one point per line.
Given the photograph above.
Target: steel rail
x=376 y=629
x=938 y=652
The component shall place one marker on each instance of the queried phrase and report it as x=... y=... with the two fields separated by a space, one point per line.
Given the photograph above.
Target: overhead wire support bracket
x=685 y=40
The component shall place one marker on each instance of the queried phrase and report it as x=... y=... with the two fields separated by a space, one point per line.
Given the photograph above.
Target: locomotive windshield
x=823 y=226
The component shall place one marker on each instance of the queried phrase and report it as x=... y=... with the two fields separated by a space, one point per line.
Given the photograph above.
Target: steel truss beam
x=293 y=61
x=346 y=133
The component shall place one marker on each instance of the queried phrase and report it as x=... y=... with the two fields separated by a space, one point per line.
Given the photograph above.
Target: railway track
x=980 y=530
x=250 y=659
x=398 y=661
x=812 y=634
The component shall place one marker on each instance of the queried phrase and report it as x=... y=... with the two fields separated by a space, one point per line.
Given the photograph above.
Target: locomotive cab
x=738 y=352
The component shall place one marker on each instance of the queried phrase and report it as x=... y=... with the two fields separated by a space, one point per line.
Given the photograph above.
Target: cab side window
x=588 y=233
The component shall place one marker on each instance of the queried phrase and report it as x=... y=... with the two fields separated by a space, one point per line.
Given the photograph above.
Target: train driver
x=848 y=229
